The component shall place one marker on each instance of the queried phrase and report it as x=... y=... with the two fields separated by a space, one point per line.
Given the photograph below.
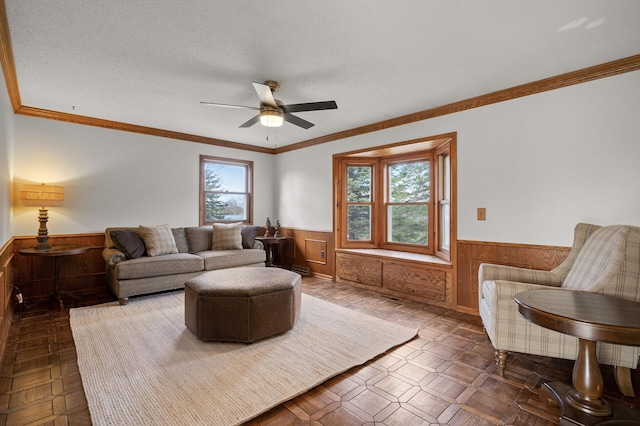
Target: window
x=359 y=202
x=396 y=197
x=444 y=200
x=225 y=190
x=407 y=202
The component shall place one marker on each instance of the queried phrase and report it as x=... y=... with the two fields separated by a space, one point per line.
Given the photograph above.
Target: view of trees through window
x=408 y=202
x=225 y=191
x=397 y=197
x=359 y=199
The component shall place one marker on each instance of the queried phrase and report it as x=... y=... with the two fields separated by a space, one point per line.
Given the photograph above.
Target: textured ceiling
x=150 y=62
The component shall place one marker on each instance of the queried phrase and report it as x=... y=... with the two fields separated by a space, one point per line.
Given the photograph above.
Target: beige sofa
x=130 y=273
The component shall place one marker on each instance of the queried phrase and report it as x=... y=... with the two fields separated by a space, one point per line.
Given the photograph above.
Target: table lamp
x=43 y=196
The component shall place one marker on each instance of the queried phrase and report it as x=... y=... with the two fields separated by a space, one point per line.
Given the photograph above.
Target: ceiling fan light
x=271 y=118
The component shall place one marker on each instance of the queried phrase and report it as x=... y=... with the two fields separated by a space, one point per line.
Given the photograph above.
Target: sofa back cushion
x=180 y=236
x=199 y=238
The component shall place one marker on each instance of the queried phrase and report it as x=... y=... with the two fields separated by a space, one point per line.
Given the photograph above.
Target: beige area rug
x=140 y=365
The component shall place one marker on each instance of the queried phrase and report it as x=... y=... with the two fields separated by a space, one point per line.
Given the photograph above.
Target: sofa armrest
x=258 y=245
x=113 y=256
x=491 y=272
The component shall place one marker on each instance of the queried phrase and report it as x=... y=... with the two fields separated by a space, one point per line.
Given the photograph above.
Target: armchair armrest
x=113 y=256
x=491 y=272
x=502 y=291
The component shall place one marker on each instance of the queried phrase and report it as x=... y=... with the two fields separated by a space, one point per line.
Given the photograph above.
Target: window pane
x=446 y=176
x=358 y=184
x=445 y=227
x=226 y=207
x=359 y=223
x=409 y=182
x=225 y=177
x=408 y=224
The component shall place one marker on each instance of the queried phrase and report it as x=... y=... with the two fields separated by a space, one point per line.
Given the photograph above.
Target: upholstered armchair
x=602 y=260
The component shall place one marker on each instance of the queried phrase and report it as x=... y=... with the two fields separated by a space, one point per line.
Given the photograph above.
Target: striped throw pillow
x=227 y=236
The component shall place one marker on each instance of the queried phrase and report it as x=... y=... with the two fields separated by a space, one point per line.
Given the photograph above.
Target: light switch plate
x=482 y=213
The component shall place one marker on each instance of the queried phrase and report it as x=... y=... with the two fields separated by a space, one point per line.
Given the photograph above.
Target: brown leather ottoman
x=242 y=304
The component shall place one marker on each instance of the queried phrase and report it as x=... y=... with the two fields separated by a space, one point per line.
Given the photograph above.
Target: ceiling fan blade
x=310 y=106
x=228 y=105
x=297 y=121
x=264 y=93
x=251 y=122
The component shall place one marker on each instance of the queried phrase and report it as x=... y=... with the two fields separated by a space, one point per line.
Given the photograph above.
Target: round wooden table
x=591 y=318
x=56 y=252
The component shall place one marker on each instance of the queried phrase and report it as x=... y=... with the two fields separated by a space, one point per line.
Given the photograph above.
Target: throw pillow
x=199 y=238
x=180 y=237
x=129 y=243
x=249 y=234
x=227 y=236
x=158 y=239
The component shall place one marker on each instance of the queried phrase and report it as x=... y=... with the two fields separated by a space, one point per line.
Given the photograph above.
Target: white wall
x=538 y=164
x=115 y=178
x=6 y=154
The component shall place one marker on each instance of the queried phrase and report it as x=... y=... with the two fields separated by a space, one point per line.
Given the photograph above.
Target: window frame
x=385 y=203
x=248 y=165
x=345 y=242
x=432 y=148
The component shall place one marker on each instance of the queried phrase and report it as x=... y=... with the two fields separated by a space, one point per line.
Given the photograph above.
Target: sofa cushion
x=220 y=259
x=180 y=236
x=128 y=242
x=249 y=234
x=145 y=267
x=227 y=236
x=199 y=238
x=158 y=240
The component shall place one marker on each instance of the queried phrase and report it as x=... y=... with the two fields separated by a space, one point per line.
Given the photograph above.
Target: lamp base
x=42 y=245
x=43 y=234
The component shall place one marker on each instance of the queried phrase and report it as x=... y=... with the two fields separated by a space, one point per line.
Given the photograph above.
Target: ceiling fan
x=273 y=112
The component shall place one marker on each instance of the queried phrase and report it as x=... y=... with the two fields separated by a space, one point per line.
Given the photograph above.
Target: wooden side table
x=592 y=318
x=56 y=252
x=269 y=244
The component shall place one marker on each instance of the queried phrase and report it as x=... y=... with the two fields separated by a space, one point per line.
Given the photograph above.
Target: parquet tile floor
x=445 y=376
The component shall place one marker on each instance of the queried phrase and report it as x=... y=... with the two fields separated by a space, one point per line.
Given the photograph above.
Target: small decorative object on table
x=267 y=225
x=277 y=229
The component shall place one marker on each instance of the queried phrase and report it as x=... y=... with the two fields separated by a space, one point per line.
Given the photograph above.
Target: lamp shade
x=271 y=118
x=42 y=195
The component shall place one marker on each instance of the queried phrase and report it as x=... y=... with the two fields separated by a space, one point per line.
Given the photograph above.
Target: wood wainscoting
x=312 y=250
x=6 y=293
x=472 y=253
x=410 y=276
x=81 y=274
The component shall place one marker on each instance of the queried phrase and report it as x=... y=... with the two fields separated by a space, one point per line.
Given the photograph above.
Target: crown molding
x=116 y=125
x=608 y=69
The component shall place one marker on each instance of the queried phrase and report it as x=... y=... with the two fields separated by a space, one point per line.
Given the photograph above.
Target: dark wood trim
x=608 y=69
x=116 y=125
x=7 y=61
x=6 y=286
